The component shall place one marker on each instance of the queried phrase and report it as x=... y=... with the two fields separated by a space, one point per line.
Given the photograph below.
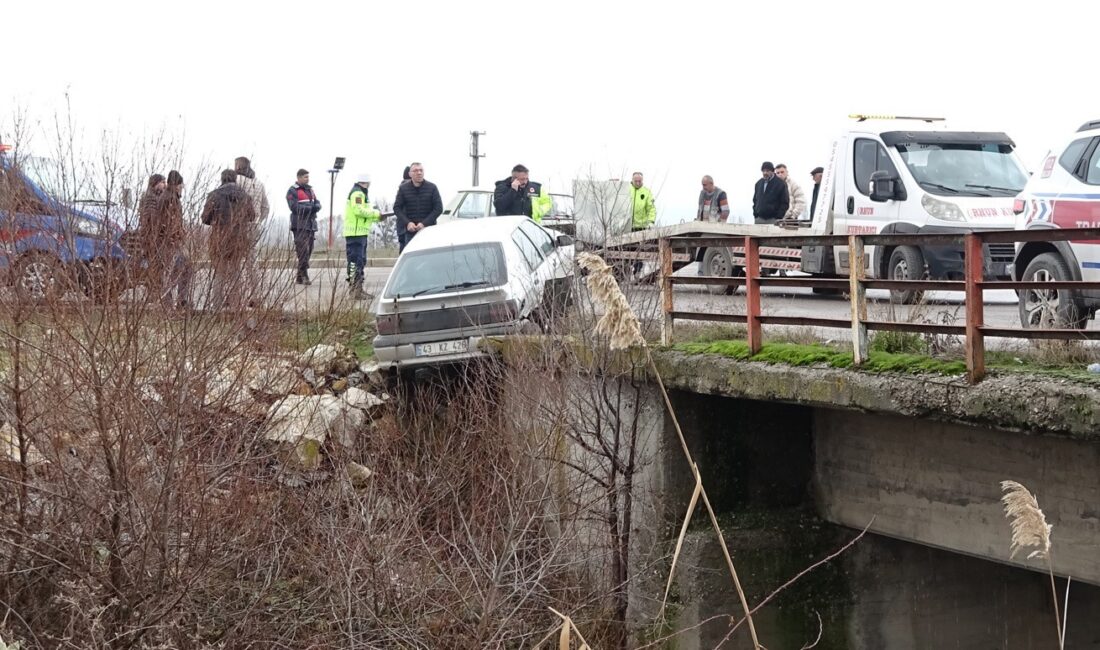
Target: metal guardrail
x=973 y=332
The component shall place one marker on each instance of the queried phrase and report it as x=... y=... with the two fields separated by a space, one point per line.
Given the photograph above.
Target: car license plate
x=442 y=347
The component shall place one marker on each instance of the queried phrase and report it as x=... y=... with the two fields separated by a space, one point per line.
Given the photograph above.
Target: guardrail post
x=858 y=293
x=752 y=293
x=975 y=313
x=664 y=259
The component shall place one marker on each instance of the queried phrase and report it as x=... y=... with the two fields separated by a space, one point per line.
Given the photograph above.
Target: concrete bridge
x=919 y=458
x=797 y=460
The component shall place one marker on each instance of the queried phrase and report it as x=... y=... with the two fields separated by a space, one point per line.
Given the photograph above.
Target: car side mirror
x=562 y=241
x=885 y=186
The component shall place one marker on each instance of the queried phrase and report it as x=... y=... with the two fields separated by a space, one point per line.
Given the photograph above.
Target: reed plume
x=618 y=322
x=1029 y=526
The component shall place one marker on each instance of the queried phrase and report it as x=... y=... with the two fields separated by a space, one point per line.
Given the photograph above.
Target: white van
x=927 y=180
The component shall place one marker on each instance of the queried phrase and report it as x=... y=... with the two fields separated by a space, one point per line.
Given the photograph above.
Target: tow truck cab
x=890 y=179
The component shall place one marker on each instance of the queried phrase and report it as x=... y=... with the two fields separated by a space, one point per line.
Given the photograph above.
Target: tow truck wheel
x=716 y=262
x=1050 y=308
x=39 y=278
x=906 y=263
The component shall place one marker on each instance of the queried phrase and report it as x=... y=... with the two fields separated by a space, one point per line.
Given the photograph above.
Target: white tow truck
x=883 y=175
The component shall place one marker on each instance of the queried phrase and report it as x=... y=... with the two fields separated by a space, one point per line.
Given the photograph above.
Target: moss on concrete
x=794 y=354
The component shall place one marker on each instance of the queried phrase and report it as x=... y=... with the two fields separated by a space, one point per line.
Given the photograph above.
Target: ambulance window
x=870 y=156
x=1072 y=154
x=1092 y=174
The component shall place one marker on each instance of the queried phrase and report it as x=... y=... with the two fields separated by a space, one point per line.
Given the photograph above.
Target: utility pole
x=475 y=153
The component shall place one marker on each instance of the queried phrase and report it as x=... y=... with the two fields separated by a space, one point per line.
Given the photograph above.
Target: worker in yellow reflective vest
x=644 y=209
x=359 y=217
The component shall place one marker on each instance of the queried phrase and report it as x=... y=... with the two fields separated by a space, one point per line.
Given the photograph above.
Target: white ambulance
x=1065 y=194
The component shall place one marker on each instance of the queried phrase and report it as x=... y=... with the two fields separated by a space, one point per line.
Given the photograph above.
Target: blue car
x=48 y=248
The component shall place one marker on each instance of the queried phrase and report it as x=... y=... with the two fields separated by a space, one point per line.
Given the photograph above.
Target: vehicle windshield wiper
x=995 y=188
x=940 y=187
x=438 y=288
x=467 y=284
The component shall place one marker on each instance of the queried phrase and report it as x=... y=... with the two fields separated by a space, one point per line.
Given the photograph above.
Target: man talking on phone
x=519 y=195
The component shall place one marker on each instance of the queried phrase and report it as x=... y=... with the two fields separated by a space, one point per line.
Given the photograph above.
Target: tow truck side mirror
x=563 y=240
x=886 y=186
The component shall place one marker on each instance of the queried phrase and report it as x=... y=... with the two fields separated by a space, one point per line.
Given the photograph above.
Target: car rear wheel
x=1050 y=308
x=39 y=278
x=906 y=263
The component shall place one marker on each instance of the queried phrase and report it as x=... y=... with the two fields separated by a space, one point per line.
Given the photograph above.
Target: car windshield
x=964 y=169
x=452 y=268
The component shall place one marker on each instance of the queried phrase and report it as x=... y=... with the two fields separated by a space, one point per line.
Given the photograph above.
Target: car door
x=1076 y=199
x=858 y=214
x=559 y=267
x=534 y=284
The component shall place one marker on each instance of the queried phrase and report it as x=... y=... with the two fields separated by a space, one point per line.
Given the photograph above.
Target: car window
x=870 y=156
x=1069 y=158
x=473 y=206
x=1092 y=174
x=449 y=268
x=527 y=248
x=540 y=237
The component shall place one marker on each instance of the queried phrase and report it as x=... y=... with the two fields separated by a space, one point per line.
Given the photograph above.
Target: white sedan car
x=458 y=282
x=477 y=203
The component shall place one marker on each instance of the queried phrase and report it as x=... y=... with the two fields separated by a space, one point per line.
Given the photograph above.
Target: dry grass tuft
x=618 y=321
x=1029 y=526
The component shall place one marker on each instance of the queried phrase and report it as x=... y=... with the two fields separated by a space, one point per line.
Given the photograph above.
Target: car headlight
x=939 y=209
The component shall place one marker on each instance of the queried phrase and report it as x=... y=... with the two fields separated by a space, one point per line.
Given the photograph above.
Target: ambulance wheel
x=1050 y=308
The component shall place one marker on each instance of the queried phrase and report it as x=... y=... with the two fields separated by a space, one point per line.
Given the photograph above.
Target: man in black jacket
x=418 y=204
x=518 y=195
x=231 y=216
x=770 y=201
x=304 y=207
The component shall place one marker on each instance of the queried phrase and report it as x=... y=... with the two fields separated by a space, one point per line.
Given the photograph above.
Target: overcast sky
x=570 y=89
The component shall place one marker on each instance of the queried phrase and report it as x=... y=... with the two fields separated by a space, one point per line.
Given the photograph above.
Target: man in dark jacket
x=816 y=174
x=770 y=201
x=304 y=207
x=418 y=204
x=518 y=195
x=231 y=216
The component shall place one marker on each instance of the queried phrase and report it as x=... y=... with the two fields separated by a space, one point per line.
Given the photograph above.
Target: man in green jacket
x=359 y=217
x=644 y=209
